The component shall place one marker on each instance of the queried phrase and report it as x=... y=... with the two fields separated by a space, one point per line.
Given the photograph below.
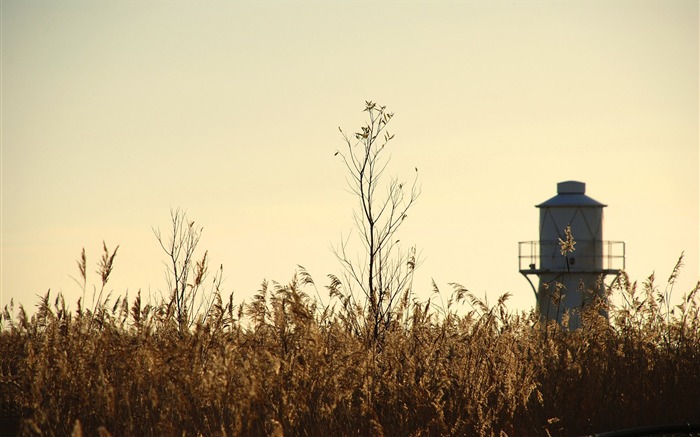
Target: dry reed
x=284 y=364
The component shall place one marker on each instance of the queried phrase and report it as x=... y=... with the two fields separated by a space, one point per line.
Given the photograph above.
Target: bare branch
x=385 y=273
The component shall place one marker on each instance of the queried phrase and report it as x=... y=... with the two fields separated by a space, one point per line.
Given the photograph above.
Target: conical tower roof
x=571 y=193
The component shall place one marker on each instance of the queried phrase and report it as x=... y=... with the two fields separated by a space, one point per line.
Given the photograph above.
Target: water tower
x=582 y=271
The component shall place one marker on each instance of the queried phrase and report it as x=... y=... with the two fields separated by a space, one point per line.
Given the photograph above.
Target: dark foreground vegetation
x=284 y=364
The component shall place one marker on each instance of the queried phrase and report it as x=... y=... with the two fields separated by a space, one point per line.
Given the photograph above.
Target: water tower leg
x=534 y=290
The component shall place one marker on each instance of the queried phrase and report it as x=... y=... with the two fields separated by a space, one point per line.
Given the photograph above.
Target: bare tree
x=386 y=273
x=184 y=274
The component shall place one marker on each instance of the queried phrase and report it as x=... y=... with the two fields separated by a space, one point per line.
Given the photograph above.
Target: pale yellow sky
x=112 y=112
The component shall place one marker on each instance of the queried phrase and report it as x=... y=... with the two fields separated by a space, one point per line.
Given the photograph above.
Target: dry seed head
x=106 y=263
x=567 y=245
x=77 y=428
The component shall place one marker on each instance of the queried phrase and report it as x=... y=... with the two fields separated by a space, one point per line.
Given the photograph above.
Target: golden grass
x=286 y=365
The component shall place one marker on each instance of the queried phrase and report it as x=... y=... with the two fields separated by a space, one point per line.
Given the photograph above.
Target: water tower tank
x=582 y=271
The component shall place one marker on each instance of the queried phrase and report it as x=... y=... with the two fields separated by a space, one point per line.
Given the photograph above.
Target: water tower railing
x=611 y=260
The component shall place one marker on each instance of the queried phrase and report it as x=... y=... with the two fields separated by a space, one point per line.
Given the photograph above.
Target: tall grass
x=285 y=364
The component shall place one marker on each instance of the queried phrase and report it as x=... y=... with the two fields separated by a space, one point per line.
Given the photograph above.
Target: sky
x=114 y=112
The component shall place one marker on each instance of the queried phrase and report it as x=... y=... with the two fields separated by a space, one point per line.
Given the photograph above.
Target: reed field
x=286 y=364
